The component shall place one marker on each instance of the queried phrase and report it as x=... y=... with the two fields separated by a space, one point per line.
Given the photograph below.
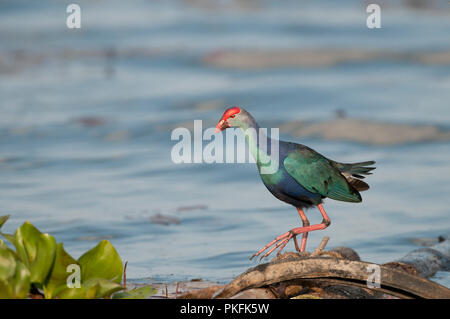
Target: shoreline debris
x=337 y=273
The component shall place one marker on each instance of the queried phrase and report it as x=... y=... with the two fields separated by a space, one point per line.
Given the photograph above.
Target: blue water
x=86 y=118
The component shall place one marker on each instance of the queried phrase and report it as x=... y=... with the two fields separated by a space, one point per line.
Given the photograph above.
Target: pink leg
x=283 y=239
x=305 y=235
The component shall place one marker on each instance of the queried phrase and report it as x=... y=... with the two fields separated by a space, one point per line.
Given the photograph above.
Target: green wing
x=315 y=173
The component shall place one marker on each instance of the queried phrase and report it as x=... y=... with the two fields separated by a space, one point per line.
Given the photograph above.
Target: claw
x=282 y=247
x=281 y=240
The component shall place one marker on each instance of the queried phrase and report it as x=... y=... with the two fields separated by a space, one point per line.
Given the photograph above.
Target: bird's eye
x=232 y=116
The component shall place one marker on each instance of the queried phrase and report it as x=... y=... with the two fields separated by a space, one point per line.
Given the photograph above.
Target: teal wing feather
x=315 y=173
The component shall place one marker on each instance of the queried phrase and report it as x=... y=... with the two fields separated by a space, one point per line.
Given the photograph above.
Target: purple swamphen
x=303 y=177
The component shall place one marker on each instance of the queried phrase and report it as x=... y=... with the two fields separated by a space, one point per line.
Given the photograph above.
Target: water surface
x=86 y=117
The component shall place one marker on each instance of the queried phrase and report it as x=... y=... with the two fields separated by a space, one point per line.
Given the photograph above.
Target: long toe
x=281 y=240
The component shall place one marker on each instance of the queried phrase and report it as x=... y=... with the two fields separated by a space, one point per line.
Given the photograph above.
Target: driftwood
x=425 y=262
x=339 y=273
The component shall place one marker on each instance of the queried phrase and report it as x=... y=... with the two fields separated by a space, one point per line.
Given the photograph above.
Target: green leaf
x=17 y=286
x=104 y=287
x=102 y=261
x=7 y=262
x=92 y=288
x=79 y=293
x=59 y=274
x=138 y=293
x=39 y=260
x=3 y=219
x=9 y=237
x=101 y=273
x=14 y=275
x=22 y=281
x=36 y=250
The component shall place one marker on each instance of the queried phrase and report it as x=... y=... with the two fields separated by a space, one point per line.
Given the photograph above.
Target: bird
x=303 y=178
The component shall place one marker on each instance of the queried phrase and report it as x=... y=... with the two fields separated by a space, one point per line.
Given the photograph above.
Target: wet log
x=425 y=262
x=340 y=274
x=255 y=293
x=340 y=271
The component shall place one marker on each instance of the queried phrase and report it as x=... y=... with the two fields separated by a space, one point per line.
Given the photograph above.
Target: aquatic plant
x=41 y=268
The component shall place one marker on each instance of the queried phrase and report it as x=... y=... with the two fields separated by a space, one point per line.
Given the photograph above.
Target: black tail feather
x=358 y=184
x=356 y=169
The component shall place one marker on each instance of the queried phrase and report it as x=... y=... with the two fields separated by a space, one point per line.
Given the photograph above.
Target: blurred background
x=86 y=117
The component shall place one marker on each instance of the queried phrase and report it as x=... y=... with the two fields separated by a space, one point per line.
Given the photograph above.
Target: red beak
x=222 y=125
